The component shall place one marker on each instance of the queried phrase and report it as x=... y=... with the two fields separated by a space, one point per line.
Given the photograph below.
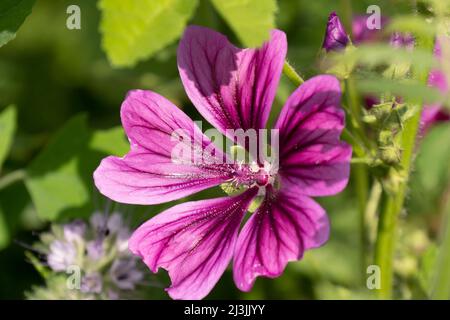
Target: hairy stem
x=370 y=214
x=393 y=201
x=290 y=72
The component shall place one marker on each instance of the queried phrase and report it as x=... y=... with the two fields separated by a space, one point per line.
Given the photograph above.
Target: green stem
x=354 y=111
x=290 y=72
x=384 y=246
x=361 y=179
x=347 y=15
x=360 y=173
x=366 y=161
x=353 y=101
x=441 y=277
x=393 y=201
x=12 y=178
x=392 y=207
x=371 y=211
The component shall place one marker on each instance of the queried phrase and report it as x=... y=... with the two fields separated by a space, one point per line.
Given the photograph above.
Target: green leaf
x=251 y=20
x=434 y=158
x=135 y=30
x=375 y=55
x=110 y=141
x=426 y=265
x=432 y=169
x=60 y=178
x=12 y=15
x=410 y=90
x=7 y=129
x=412 y=24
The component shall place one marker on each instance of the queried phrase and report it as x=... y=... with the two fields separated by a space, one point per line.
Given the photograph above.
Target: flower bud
x=335 y=36
x=391 y=155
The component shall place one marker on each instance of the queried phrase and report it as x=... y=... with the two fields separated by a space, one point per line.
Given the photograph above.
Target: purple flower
x=335 y=36
x=62 y=254
x=106 y=224
x=95 y=250
x=125 y=274
x=74 y=231
x=122 y=240
x=402 y=40
x=233 y=89
x=91 y=283
x=99 y=221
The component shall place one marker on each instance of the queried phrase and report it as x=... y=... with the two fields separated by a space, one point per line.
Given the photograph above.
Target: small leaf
x=7 y=129
x=60 y=178
x=251 y=20
x=12 y=15
x=135 y=30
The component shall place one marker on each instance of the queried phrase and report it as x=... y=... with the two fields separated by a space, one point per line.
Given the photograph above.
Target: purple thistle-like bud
x=62 y=254
x=125 y=274
x=92 y=283
x=335 y=36
x=95 y=249
x=74 y=231
x=115 y=223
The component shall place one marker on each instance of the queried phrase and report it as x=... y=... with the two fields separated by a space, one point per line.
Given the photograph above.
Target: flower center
x=254 y=174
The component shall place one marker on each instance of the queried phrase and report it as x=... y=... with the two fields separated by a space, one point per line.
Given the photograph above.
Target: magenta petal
x=148 y=174
x=437 y=78
x=311 y=154
x=318 y=170
x=434 y=113
x=194 y=241
x=280 y=231
x=232 y=88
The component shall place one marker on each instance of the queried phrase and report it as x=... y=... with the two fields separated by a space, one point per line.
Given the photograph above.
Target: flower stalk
x=392 y=203
x=359 y=170
x=292 y=75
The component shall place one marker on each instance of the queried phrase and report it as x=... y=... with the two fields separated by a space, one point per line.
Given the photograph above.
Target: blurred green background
x=68 y=97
